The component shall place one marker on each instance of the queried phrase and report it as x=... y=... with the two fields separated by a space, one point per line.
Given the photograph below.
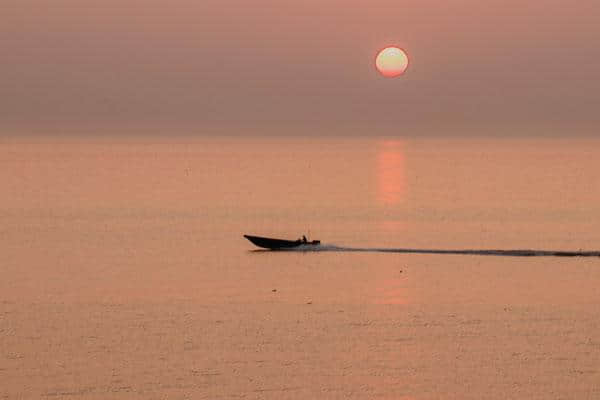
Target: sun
x=391 y=62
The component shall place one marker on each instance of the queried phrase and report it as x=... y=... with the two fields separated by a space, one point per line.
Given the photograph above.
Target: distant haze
x=283 y=67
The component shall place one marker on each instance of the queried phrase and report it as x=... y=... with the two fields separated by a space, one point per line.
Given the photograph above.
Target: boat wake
x=474 y=252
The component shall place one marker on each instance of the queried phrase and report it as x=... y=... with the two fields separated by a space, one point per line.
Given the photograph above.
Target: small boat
x=278 y=244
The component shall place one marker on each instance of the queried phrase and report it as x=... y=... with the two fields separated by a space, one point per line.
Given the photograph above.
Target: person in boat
x=304 y=239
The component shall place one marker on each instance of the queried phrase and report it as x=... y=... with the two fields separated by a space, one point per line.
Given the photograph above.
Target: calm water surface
x=125 y=274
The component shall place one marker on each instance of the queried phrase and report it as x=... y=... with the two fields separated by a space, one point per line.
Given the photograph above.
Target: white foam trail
x=482 y=252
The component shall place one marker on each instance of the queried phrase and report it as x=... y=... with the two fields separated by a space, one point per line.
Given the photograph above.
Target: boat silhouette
x=278 y=244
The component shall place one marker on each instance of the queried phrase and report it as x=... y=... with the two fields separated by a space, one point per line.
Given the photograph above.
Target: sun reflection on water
x=390 y=173
x=390 y=176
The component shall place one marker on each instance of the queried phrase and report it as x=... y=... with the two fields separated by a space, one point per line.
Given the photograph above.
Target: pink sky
x=305 y=67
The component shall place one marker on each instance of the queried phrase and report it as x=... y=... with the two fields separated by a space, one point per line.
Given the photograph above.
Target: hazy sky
x=305 y=66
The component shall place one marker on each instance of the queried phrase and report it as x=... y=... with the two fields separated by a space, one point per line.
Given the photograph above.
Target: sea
x=124 y=273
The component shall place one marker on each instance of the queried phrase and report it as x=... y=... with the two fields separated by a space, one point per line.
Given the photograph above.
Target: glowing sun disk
x=391 y=62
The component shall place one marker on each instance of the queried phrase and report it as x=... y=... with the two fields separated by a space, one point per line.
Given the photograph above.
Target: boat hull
x=278 y=244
